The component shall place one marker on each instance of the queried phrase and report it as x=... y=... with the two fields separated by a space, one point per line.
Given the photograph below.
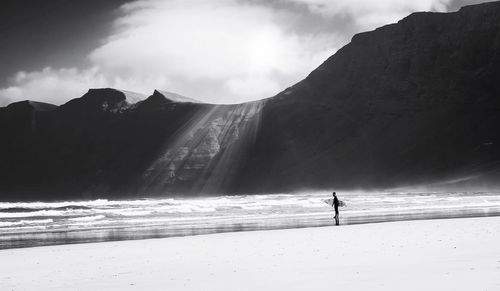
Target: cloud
x=220 y=51
x=49 y=84
x=225 y=45
x=57 y=86
x=369 y=14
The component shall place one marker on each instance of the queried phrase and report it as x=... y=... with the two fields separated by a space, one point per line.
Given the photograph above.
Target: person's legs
x=337 y=217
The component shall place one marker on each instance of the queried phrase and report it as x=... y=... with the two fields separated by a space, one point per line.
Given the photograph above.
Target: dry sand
x=453 y=254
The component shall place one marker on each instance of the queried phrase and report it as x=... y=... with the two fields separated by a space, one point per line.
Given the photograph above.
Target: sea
x=32 y=224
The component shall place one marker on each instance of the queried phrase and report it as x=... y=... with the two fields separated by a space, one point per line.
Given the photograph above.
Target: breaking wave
x=35 y=223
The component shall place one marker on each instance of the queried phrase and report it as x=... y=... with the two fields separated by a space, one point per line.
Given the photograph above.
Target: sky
x=220 y=51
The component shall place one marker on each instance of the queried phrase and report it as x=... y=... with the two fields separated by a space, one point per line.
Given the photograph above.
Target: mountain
x=86 y=147
x=411 y=103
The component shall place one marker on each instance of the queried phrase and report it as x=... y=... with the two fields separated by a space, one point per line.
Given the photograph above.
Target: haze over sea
x=27 y=224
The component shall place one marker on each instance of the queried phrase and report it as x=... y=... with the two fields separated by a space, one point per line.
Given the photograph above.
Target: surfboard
x=330 y=202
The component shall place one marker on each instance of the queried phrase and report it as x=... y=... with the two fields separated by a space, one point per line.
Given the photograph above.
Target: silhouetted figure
x=336 y=207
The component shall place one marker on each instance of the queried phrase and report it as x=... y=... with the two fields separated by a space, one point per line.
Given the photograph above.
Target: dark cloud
x=58 y=33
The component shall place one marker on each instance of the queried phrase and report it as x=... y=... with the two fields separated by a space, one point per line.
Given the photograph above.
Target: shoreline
x=445 y=254
x=104 y=238
x=38 y=224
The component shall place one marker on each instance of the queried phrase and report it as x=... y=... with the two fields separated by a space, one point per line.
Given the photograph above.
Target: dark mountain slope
x=88 y=147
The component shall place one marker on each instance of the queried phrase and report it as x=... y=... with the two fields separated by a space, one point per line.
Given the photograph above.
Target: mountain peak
x=108 y=94
x=34 y=105
x=157 y=100
x=105 y=99
x=174 y=97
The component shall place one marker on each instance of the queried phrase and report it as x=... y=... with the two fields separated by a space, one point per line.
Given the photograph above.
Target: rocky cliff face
x=411 y=103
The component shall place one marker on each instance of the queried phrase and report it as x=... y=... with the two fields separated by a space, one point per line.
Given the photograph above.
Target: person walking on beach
x=336 y=207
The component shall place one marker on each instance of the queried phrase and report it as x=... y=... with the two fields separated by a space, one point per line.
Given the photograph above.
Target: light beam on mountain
x=207 y=152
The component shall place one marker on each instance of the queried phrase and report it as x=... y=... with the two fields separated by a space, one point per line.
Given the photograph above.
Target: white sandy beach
x=452 y=254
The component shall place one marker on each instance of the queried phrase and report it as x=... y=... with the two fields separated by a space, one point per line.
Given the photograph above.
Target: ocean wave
x=51 y=205
x=99 y=203
x=25 y=222
x=43 y=213
x=33 y=209
x=130 y=212
x=239 y=205
x=87 y=218
x=255 y=207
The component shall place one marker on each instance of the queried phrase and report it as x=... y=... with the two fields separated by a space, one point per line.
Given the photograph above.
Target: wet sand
x=449 y=254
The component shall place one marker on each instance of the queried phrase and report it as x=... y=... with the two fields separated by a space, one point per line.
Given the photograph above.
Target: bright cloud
x=48 y=85
x=240 y=50
x=220 y=51
x=57 y=86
